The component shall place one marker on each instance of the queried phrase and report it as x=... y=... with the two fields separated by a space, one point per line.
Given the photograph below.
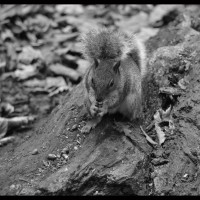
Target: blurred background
x=40 y=54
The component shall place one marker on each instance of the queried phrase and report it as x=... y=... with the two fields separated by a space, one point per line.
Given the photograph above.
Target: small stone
x=75 y=148
x=72 y=108
x=65 y=150
x=52 y=157
x=78 y=142
x=40 y=170
x=66 y=169
x=68 y=129
x=58 y=156
x=185 y=176
x=65 y=156
x=46 y=164
x=12 y=187
x=74 y=127
x=34 y=152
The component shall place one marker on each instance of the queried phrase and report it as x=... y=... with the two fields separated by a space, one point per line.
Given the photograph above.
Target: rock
x=75 y=148
x=74 y=127
x=65 y=150
x=181 y=159
x=34 y=152
x=65 y=156
x=160 y=11
x=51 y=157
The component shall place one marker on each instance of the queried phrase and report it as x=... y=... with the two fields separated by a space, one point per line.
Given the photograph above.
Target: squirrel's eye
x=111 y=83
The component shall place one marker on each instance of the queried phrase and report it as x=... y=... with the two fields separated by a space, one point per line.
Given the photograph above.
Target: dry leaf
x=170 y=90
x=75 y=9
x=7 y=108
x=60 y=89
x=147 y=137
x=59 y=69
x=83 y=65
x=134 y=23
x=182 y=84
x=6 y=140
x=160 y=133
x=157 y=117
x=25 y=71
x=165 y=115
x=3 y=127
x=55 y=82
x=29 y=54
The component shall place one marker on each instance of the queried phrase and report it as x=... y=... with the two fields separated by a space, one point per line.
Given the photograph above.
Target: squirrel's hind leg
x=131 y=107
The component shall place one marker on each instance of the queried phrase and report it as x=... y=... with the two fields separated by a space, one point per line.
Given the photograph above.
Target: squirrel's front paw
x=93 y=110
x=90 y=125
x=102 y=111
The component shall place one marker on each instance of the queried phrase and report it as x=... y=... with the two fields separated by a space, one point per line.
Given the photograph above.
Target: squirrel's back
x=106 y=44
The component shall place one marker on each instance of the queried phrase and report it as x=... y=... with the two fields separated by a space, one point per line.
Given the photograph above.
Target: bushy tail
x=138 y=53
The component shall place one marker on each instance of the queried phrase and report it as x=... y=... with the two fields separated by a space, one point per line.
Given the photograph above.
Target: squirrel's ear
x=116 y=67
x=96 y=63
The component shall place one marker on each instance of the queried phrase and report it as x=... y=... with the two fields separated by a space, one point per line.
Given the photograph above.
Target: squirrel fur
x=113 y=82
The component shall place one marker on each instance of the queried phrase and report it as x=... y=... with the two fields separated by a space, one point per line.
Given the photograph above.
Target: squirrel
x=113 y=82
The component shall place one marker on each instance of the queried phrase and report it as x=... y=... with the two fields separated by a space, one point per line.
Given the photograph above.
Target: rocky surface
x=109 y=162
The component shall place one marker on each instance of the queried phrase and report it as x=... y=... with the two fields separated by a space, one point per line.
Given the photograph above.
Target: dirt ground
x=50 y=155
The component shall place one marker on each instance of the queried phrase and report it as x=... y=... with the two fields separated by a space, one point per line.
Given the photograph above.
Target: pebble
x=66 y=169
x=12 y=187
x=40 y=170
x=34 y=152
x=52 y=157
x=45 y=163
x=65 y=156
x=75 y=148
x=65 y=150
x=78 y=142
x=72 y=108
x=74 y=127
